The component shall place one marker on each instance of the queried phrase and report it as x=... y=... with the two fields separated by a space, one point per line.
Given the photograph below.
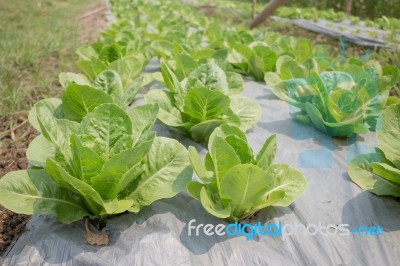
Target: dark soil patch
x=11 y=227
x=12 y=157
x=12 y=151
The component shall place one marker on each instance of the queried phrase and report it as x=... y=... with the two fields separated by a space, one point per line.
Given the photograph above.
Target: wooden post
x=268 y=11
x=348 y=8
x=253 y=11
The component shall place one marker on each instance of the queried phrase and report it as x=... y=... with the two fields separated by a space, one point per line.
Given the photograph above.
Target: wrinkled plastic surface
x=358 y=34
x=158 y=235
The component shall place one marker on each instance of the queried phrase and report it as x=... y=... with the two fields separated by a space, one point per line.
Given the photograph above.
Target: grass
x=38 y=39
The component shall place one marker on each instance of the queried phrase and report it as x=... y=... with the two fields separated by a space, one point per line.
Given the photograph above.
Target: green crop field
x=126 y=122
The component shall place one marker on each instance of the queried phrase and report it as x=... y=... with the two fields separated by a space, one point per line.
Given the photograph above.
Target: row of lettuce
x=384 y=23
x=339 y=99
x=390 y=25
x=384 y=28
x=244 y=8
x=96 y=157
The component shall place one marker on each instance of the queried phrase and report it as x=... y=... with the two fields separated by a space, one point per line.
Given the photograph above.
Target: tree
x=349 y=5
x=268 y=11
x=253 y=11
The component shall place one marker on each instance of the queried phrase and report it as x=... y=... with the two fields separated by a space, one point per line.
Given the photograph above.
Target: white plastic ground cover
x=158 y=235
x=358 y=34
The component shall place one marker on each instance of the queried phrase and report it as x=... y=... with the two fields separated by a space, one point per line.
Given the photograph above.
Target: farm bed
x=159 y=233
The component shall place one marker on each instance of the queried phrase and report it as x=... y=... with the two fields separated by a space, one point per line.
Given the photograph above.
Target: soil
x=92 y=23
x=207 y=10
x=12 y=157
x=15 y=139
x=11 y=227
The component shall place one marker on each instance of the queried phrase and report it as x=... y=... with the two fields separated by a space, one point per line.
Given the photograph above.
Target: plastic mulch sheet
x=158 y=235
x=358 y=34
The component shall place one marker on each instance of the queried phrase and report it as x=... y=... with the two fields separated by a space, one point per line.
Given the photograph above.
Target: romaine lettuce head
x=108 y=163
x=234 y=184
x=203 y=101
x=183 y=64
x=107 y=87
x=379 y=172
x=254 y=59
x=259 y=57
x=336 y=103
x=128 y=63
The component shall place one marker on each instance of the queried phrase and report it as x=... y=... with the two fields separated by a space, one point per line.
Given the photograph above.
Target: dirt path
x=14 y=142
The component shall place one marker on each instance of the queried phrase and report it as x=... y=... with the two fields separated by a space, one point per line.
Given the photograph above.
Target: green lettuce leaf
x=34 y=192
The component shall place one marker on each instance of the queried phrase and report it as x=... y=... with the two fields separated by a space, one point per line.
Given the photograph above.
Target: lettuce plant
x=168 y=48
x=379 y=172
x=336 y=103
x=173 y=34
x=129 y=37
x=84 y=94
x=109 y=163
x=97 y=57
x=203 y=101
x=254 y=60
x=234 y=183
x=259 y=57
x=185 y=63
